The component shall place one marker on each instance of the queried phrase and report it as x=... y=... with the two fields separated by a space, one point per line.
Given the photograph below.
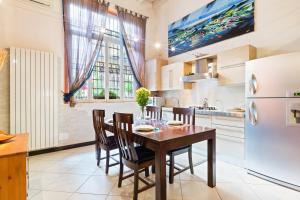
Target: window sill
x=105 y=101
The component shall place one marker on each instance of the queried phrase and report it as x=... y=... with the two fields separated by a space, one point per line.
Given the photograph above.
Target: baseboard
x=60 y=148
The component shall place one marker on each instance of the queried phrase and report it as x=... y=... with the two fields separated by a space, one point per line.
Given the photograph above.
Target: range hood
x=203 y=69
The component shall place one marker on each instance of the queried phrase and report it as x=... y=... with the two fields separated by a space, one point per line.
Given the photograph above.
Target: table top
x=16 y=145
x=169 y=133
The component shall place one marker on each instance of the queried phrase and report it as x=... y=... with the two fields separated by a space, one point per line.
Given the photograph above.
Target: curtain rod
x=131 y=12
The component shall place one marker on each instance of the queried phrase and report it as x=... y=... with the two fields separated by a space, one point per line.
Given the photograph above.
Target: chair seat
x=144 y=154
x=111 y=142
x=179 y=151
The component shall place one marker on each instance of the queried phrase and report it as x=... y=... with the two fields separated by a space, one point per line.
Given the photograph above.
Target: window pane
x=129 y=83
x=114 y=71
x=83 y=92
x=98 y=76
x=112 y=27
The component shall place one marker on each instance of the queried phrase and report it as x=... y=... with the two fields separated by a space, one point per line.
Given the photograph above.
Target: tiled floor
x=73 y=175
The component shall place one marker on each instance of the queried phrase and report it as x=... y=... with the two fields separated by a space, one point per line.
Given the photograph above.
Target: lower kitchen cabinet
x=206 y=121
x=230 y=149
x=230 y=138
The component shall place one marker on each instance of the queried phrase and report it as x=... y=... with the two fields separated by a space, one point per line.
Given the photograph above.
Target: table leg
x=160 y=175
x=211 y=164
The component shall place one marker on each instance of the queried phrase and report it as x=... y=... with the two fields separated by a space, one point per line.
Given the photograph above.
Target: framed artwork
x=214 y=22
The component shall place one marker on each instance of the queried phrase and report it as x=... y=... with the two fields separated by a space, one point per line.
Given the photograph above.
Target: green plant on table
x=142 y=98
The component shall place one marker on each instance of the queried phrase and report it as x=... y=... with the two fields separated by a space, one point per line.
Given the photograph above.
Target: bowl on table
x=144 y=128
x=174 y=123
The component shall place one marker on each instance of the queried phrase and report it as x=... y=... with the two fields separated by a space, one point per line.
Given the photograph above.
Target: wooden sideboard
x=13 y=177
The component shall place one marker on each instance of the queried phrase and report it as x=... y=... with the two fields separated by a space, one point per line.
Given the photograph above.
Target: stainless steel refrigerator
x=273 y=118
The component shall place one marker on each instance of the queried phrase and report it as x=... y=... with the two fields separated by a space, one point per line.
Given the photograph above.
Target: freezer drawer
x=272 y=142
x=273 y=76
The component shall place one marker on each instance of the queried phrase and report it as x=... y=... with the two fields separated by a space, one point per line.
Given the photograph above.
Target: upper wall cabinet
x=171 y=76
x=153 y=74
x=231 y=64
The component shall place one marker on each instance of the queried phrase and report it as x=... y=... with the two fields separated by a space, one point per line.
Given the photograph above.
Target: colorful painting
x=217 y=21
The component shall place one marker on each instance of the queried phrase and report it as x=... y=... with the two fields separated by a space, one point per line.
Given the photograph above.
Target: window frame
x=117 y=41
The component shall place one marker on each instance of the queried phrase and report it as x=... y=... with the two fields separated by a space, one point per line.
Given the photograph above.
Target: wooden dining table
x=167 y=138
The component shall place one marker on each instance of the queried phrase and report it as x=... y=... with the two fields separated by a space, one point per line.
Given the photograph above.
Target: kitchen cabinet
x=167 y=115
x=171 y=76
x=205 y=121
x=230 y=138
x=153 y=74
x=231 y=64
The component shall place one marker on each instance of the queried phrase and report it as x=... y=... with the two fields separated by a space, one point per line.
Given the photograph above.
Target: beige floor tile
x=126 y=190
x=67 y=183
x=192 y=189
x=98 y=185
x=173 y=192
x=49 y=195
x=79 y=196
x=39 y=180
x=118 y=198
x=268 y=192
x=32 y=193
x=73 y=174
x=235 y=191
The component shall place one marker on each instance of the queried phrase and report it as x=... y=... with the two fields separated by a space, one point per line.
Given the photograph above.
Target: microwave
x=156 y=101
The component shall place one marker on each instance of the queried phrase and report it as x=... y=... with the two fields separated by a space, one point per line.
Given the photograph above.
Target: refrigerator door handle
x=253 y=85
x=252 y=113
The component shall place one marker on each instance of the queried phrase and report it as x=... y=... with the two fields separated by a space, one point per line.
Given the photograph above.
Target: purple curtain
x=84 y=22
x=133 y=27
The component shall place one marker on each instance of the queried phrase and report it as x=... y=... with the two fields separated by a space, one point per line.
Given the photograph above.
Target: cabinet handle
x=253 y=85
x=252 y=113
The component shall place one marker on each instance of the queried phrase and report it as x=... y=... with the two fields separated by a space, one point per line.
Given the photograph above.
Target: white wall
x=277 y=30
x=277 y=27
x=29 y=25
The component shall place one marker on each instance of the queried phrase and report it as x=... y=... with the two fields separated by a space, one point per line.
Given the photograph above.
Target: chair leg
x=121 y=174
x=153 y=169
x=147 y=172
x=171 y=172
x=107 y=161
x=191 y=160
x=98 y=156
x=136 y=184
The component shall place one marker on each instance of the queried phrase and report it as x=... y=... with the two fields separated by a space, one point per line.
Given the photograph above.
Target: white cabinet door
x=171 y=76
x=165 y=78
x=205 y=121
x=230 y=149
x=232 y=75
x=231 y=64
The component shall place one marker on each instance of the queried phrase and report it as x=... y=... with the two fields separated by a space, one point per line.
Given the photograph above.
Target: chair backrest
x=123 y=133
x=154 y=112
x=99 y=126
x=187 y=115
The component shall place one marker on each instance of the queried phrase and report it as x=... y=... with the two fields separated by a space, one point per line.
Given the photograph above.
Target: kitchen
x=235 y=80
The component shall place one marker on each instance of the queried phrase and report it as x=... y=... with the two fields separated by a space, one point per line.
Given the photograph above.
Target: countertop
x=213 y=113
x=16 y=145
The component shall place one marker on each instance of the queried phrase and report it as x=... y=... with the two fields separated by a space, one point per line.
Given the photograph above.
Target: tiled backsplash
x=223 y=97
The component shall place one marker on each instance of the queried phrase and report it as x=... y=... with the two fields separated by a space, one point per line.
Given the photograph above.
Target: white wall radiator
x=34 y=96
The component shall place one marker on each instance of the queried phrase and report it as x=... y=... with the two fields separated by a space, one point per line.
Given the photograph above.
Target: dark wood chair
x=103 y=141
x=187 y=115
x=155 y=112
x=137 y=158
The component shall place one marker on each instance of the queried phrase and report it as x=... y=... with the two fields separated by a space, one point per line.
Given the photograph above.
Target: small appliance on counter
x=156 y=101
x=272 y=128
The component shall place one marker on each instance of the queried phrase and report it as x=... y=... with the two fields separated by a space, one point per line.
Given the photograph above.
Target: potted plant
x=142 y=98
